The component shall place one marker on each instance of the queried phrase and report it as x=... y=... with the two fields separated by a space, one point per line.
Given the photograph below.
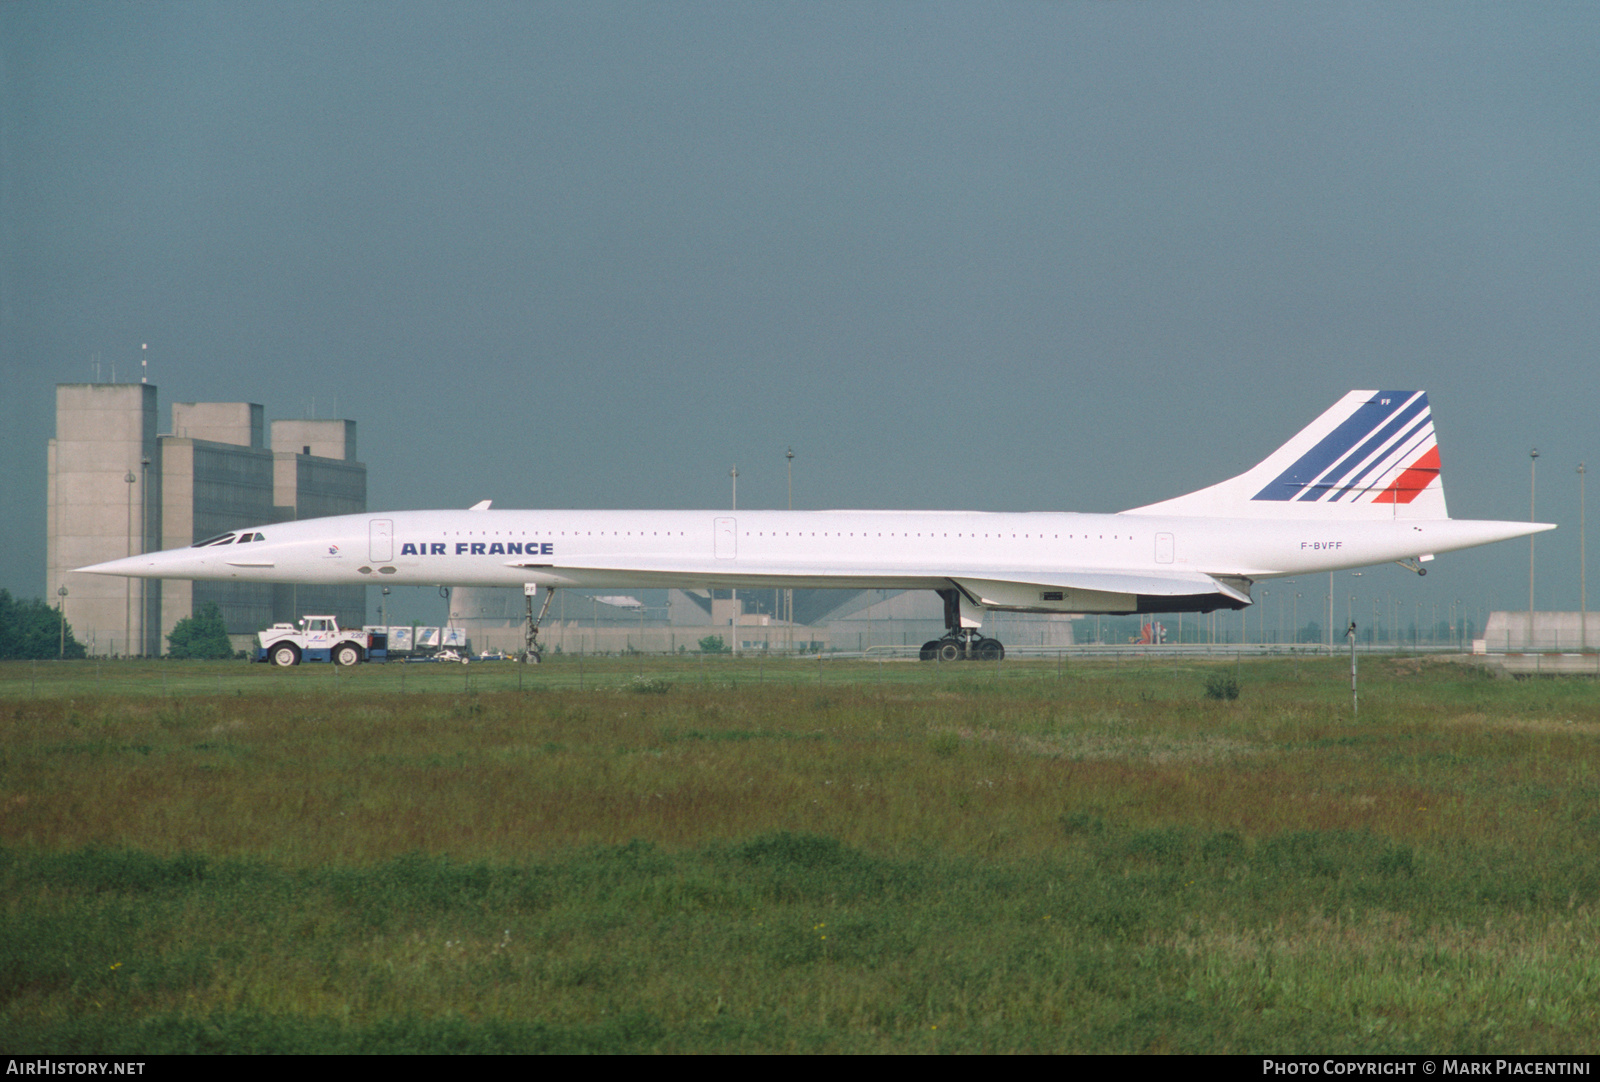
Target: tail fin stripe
x=1380 y=447
x=1367 y=418
x=1396 y=463
x=1392 y=455
x=1418 y=477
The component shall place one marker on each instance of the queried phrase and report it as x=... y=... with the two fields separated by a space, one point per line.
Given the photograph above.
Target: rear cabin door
x=1163 y=548
x=727 y=533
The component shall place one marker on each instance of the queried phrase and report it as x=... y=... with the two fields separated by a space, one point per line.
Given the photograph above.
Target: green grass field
x=676 y=855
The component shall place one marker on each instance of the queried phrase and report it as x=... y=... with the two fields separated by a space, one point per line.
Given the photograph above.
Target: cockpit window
x=220 y=539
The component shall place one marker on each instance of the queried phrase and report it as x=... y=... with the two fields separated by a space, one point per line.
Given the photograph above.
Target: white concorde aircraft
x=1360 y=485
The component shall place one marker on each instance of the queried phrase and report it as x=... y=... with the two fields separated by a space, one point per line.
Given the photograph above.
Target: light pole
x=144 y=539
x=788 y=594
x=1533 y=489
x=734 y=473
x=1330 y=612
x=1583 y=574
x=127 y=588
x=61 y=615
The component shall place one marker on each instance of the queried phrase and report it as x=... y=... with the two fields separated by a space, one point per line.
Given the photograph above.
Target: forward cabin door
x=380 y=540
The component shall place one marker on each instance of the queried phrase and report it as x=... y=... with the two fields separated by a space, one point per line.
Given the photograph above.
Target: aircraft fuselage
x=907 y=550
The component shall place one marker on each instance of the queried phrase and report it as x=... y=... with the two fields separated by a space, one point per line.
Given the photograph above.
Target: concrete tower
x=104 y=503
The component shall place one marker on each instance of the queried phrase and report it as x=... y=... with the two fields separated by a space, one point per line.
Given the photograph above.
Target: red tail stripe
x=1418 y=476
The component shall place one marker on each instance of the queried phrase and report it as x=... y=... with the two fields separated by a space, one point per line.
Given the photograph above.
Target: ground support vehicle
x=320 y=638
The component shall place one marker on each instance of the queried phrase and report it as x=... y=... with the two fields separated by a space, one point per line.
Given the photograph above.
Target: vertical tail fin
x=1373 y=455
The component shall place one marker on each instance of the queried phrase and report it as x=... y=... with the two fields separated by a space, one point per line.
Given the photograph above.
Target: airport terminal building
x=119 y=487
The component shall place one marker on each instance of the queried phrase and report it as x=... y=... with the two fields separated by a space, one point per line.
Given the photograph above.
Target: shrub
x=32 y=629
x=202 y=635
x=1222 y=686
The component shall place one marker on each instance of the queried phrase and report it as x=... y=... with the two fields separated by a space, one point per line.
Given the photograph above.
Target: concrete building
x=1553 y=632
x=117 y=488
x=216 y=475
x=103 y=504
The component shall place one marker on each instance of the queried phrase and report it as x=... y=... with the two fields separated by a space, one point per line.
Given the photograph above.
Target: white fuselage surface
x=1360 y=485
x=1096 y=563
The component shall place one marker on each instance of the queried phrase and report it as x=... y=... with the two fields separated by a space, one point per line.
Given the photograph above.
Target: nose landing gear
x=531 y=652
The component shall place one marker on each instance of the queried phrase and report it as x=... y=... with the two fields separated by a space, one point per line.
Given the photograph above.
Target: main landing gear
x=960 y=643
x=965 y=645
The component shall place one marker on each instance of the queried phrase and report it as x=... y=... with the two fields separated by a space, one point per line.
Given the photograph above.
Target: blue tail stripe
x=1314 y=463
x=1341 y=472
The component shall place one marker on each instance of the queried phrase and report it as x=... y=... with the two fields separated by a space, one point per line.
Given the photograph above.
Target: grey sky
x=999 y=256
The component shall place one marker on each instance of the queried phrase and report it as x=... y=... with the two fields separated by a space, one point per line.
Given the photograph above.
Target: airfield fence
x=645 y=673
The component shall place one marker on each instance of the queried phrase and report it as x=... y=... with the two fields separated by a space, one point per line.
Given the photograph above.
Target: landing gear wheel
x=532 y=657
x=989 y=650
x=284 y=656
x=929 y=651
x=346 y=656
x=949 y=650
